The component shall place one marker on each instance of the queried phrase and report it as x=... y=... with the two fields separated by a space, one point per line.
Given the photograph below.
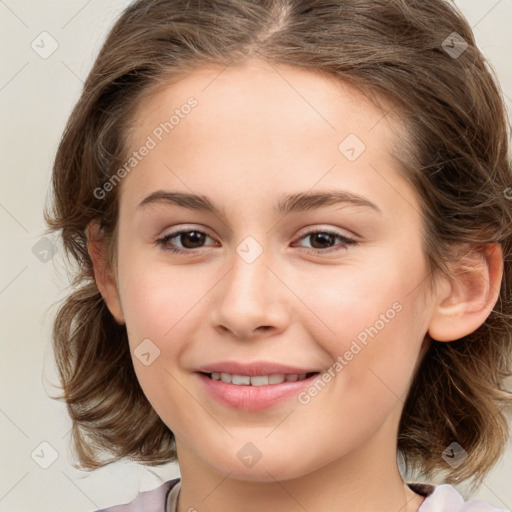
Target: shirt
x=438 y=498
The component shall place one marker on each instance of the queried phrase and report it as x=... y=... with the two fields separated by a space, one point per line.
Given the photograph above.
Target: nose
x=250 y=301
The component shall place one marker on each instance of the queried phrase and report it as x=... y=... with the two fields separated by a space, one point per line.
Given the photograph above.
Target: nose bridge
x=250 y=296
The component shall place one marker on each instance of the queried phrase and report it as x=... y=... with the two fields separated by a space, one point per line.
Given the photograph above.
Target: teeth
x=241 y=379
x=258 y=380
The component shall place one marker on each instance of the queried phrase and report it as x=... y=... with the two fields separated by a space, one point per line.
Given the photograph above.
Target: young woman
x=292 y=222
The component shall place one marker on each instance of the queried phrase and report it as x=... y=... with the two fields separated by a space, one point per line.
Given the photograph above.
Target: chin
x=265 y=470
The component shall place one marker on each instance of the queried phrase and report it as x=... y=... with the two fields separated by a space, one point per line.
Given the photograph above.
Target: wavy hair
x=455 y=155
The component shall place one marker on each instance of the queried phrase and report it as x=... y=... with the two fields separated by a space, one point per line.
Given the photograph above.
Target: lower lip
x=253 y=398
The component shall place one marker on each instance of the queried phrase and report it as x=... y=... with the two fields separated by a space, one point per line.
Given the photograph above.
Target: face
x=268 y=280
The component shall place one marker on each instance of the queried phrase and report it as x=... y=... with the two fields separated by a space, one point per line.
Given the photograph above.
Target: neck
x=366 y=479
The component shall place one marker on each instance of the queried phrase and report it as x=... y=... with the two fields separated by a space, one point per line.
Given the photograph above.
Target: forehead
x=300 y=99
x=261 y=124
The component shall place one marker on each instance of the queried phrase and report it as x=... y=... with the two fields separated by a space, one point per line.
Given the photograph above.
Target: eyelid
x=186 y=229
x=319 y=228
x=346 y=240
x=164 y=243
x=314 y=228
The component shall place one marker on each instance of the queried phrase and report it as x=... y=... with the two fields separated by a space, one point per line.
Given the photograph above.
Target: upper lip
x=253 y=369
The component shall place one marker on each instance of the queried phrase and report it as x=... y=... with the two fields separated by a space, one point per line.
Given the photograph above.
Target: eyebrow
x=288 y=203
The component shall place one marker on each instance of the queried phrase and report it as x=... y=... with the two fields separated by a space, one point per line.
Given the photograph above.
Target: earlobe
x=103 y=273
x=464 y=303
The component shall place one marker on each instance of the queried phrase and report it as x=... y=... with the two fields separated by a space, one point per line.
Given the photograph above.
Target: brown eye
x=322 y=241
x=188 y=240
x=191 y=239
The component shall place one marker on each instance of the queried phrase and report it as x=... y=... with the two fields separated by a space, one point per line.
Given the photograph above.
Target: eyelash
x=164 y=241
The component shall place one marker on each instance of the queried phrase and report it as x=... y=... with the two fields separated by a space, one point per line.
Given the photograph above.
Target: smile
x=258 y=380
x=255 y=392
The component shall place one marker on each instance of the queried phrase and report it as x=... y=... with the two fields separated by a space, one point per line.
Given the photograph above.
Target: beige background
x=36 y=96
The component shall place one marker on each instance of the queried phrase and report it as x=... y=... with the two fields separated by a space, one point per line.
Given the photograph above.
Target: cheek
x=373 y=323
x=361 y=299
x=159 y=301
x=158 y=298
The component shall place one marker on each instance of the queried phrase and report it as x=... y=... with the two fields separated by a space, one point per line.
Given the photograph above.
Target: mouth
x=256 y=392
x=258 y=380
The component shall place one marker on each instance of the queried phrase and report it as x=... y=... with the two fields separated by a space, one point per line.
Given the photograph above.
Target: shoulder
x=147 y=501
x=445 y=498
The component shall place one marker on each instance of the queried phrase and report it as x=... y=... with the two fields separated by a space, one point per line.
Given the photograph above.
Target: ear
x=465 y=301
x=103 y=271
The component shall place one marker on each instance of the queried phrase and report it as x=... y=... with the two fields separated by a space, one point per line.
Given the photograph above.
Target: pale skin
x=251 y=139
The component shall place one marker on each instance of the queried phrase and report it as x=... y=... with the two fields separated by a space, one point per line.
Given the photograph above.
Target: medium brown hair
x=455 y=154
